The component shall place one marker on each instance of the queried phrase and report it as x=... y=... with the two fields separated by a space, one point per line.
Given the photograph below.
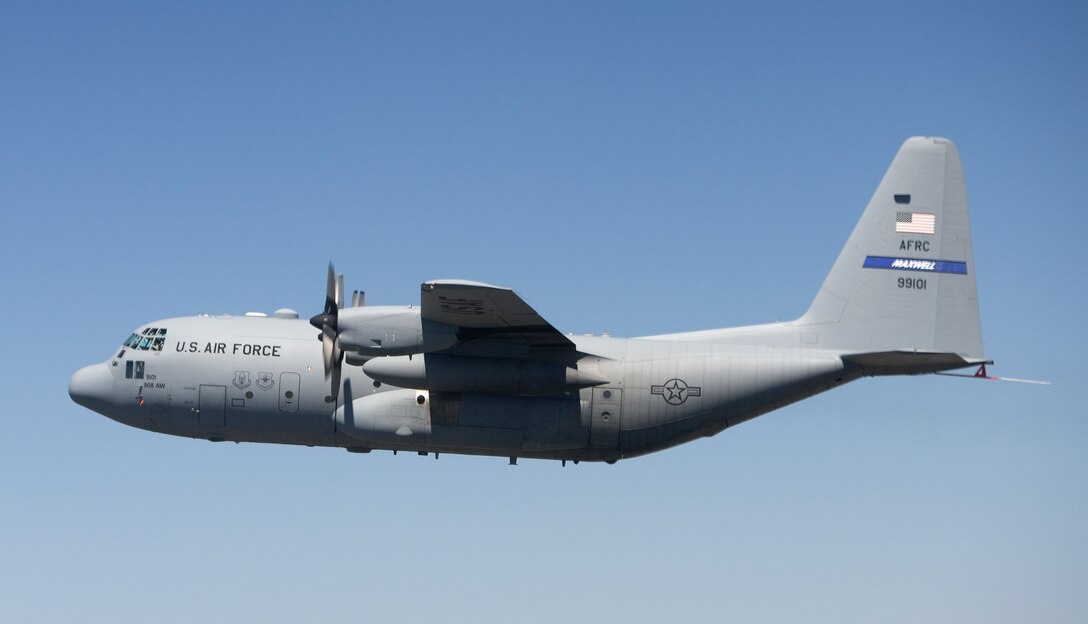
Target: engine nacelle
x=391 y=330
x=444 y=373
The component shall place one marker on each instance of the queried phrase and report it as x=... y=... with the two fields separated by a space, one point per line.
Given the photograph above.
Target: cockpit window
x=134 y=370
x=151 y=338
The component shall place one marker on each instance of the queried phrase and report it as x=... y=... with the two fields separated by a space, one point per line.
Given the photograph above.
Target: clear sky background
x=634 y=168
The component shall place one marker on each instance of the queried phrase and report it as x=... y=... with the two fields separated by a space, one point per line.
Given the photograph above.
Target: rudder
x=905 y=281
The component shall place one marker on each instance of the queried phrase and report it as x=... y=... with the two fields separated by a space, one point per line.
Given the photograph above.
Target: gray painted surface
x=474 y=369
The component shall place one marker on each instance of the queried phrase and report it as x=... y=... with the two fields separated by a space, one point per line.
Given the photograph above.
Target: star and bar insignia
x=676 y=391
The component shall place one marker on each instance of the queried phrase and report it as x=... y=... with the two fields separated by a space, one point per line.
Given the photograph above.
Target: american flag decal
x=915 y=222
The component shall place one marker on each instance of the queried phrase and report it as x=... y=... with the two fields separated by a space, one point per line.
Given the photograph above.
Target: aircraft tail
x=902 y=291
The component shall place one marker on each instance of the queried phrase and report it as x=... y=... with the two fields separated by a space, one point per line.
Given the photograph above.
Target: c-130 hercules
x=473 y=369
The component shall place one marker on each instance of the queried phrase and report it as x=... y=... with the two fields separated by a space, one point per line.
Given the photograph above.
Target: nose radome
x=92 y=387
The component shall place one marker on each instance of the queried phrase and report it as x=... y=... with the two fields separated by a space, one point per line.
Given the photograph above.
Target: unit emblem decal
x=264 y=381
x=241 y=379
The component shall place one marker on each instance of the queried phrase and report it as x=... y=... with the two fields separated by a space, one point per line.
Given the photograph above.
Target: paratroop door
x=605 y=421
x=213 y=402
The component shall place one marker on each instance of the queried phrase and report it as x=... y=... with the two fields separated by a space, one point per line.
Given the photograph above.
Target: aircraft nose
x=92 y=387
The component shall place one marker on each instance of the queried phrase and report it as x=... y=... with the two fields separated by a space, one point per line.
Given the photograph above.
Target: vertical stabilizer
x=905 y=282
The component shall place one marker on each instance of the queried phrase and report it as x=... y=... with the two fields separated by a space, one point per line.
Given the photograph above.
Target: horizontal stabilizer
x=905 y=362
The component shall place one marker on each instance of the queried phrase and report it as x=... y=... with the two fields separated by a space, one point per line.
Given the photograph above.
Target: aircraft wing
x=491 y=321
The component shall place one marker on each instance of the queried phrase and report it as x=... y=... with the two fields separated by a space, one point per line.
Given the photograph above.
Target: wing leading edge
x=491 y=321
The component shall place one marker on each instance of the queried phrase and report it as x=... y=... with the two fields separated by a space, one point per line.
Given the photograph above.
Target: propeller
x=330 y=337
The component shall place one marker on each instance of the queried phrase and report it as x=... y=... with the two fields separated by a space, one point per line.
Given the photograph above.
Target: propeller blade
x=328 y=344
x=334 y=363
x=335 y=382
x=328 y=315
x=332 y=354
x=330 y=290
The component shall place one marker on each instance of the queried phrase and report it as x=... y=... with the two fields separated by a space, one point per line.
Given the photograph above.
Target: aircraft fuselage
x=260 y=379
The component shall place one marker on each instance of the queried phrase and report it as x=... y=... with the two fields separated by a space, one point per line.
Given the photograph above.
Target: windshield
x=150 y=339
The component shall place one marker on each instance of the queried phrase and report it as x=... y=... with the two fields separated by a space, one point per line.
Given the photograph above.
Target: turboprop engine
x=391 y=330
x=443 y=373
x=360 y=332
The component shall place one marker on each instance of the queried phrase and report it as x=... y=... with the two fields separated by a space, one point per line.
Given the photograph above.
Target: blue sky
x=634 y=168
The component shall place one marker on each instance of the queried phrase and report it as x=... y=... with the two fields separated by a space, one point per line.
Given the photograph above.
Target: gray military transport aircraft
x=473 y=369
